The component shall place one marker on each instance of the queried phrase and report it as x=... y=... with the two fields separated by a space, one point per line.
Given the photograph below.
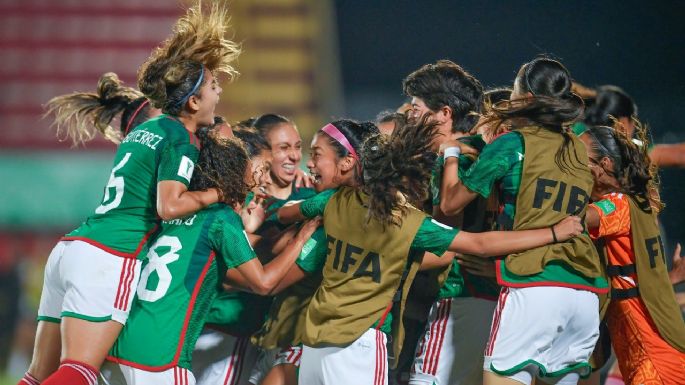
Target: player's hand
x=253 y=215
x=308 y=228
x=483 y=267
x=568 y=228
x=302 y=179
x=677 y=273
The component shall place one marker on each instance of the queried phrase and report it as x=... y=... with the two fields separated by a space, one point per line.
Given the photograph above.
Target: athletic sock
x=73 y=373
x=28 y=379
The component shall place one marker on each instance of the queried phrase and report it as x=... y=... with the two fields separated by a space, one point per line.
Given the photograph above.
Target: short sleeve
x=177 y=162
x=315 y=205
x=493 y=163
x=614 y=215
x=313 y=254
x=433 y=237
x=229 y=240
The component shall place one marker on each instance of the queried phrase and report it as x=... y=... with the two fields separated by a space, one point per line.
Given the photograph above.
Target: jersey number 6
x=115 y=184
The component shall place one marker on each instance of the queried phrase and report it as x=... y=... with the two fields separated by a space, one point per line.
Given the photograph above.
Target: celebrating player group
x=474 y=236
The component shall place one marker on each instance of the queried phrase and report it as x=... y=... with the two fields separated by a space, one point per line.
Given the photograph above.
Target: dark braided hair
x=632 y=167
x=222 y=164
x=397 y=169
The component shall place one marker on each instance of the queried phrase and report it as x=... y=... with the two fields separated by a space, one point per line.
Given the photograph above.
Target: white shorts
x=220 y=358
x=451 y=349
x=272 y=358
x=363 y=362
x=549 y=330
x=113 y=373
x=83 y=281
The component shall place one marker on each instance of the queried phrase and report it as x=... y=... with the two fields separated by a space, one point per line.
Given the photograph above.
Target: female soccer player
x=223 y=353
x=373 y=234
x=645 y=324
x=543 y=175
x=92 y=272
x=185 y=268
x=286 y=150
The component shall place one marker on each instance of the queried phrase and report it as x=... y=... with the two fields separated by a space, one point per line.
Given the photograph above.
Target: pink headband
x=334 y=133
x=133 y=117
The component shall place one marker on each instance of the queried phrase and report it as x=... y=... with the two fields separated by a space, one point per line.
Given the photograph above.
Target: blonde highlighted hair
x=198 y=42
x=80 y=116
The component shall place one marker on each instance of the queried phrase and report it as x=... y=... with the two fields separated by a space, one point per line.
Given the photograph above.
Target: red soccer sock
x=28 y=379
x=73 y=373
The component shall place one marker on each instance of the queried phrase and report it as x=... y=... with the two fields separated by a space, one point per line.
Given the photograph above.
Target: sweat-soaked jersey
x=180 y=278
x=157 y=150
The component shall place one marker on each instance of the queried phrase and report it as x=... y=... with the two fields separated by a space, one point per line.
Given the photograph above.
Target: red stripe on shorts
x=121 y=279
x=496 y=321
x=231 y=363
x=129 y=281
x=446 y=318
x=437 y=330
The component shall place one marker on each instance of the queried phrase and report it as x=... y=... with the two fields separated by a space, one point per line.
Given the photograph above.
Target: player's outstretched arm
x=506 y=242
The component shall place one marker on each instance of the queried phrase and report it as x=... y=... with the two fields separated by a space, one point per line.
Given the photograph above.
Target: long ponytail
x=80 y=116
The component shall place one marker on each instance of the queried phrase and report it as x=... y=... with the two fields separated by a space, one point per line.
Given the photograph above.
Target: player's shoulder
x=225 y=214
x=173 y=130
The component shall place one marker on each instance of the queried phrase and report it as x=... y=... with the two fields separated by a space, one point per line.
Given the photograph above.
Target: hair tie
x=195 y=87
x=133 y=116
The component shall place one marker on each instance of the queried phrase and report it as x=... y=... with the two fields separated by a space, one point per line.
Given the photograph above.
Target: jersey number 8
x=159 y=264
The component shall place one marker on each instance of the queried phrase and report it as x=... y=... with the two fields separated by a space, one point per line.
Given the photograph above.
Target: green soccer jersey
x=501 y=164
x=157 y=150
x=180 y=278
x=242 y=313
x=458 y=283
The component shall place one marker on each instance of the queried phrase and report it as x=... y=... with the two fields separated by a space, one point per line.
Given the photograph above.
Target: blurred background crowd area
x=311 y=60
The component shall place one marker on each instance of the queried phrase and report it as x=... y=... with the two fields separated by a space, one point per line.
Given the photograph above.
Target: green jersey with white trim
x=157 y=150
x=178 y=282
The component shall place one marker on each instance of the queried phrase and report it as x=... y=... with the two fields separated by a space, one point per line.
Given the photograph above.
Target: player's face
x=209 y=97
x=261 y=164
x=604 y=182
x=323 y=163
x=286 y=150
x=418 y=109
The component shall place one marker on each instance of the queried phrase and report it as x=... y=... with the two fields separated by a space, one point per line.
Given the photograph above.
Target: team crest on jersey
x=185 y=169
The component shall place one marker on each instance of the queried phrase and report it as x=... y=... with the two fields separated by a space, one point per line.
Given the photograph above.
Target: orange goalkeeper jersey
x=644 y=357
